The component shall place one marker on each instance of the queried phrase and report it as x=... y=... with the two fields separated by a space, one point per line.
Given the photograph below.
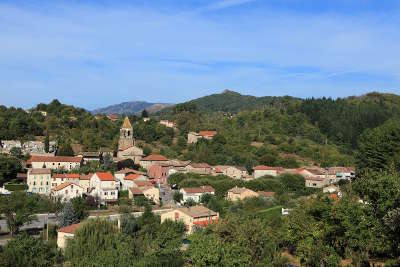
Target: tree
x=145 y=114
x=146 y=150
x=80 y=207
x=68 y=215
x=16 y=152
x=177 y=197
x=99 y=243
x=18 y=210
x=65 y=149
x=47 y=143
x=9 y=167
x=29 y=251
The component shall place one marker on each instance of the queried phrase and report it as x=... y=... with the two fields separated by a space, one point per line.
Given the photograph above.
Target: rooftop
x=207 y=133
x=54 y=159
x=70 y=229
x=127 y=124
x=39 y=171
x=64 y=185
x=105 y=176
x=155 y=157
x=196 y=190
x=198 y=211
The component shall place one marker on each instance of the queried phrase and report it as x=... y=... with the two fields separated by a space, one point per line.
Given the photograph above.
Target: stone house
x=148 y=161
x=195 y=193
x=240 y=193
x=67 y=191
x=54 y=163
x=192 y=217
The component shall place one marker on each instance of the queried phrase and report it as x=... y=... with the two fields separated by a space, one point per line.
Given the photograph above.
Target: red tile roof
x=136 y=191
x=70 y=229
x=143 y=183
x=53 y=159
x=64 y=185
x=132 y=176
x=208 y=133
x=86 y=176
x=67 y=175
x=105 y=176
x=155 y=158
x=197 y=190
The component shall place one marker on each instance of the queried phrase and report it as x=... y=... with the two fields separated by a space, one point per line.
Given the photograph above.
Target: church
x=126 y=145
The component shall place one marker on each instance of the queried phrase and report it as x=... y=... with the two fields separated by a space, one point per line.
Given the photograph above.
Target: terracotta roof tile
x=198 y=211
x=64 y=185
x=266 y=194
x=132 y=176
x=200 y=165
x=207 y=133
x=143 y=183
x=198 y=190
x=105 y=176
x=70 y=229
x=155 y=158
x=66 y=175
x=136 y=191
x=267 y=168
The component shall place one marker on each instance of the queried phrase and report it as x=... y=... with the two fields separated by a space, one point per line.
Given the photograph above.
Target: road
x=40 y=223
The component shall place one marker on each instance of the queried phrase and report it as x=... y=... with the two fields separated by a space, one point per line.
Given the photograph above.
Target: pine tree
x=47 y=143
x=145 y=114
x=68 y=215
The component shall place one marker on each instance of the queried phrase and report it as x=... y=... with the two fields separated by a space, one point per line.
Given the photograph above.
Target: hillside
x=132 y=107
x=233 y=102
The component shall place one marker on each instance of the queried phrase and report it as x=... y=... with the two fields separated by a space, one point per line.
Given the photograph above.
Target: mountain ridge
x=131 y=107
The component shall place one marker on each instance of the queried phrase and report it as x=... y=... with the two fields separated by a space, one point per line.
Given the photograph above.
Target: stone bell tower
x=126 y=139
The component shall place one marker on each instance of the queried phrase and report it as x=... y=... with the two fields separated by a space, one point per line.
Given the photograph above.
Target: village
x=58 y=178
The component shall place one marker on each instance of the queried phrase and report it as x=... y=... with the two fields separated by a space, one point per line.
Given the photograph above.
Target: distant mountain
x=131 y=107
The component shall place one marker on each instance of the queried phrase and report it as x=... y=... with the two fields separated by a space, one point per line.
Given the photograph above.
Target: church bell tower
x=126 y=139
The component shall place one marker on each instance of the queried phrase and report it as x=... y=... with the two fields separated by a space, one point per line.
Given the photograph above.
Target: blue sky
x=95 y=53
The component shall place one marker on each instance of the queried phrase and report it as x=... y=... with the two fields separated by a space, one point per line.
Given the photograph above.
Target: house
x=316 y=182
x=160 y=171
x=194 y=137
x=192 y=217
x=341 y=173
x=312 y=172
x=260 y=171
x=54 y=163
x=39 y=181
x=148 y=161
x=67 y=191
x=60 y=178
x=84 y=181
x=330 y=189
x=150 y=192
x=195 y=193
x=104 y=186
x=240 y=193
x=120 y=175
x=199 y=168
x=166 y=123
x=66 y=233
x=234 y=172
x=266 y=194
x=127 y=148
x=128 y=181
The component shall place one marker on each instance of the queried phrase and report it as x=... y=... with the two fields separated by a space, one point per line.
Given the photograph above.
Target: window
x=77 y=192
x=105 y=193
x=112 y=193
x=314 y=184
x=47 y=183
x=34 y=183
x=66 y=191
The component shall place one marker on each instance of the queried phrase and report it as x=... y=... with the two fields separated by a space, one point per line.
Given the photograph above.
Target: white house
x=195 y=193
x=67 y=191
x=39 y=181
x=104 y=186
